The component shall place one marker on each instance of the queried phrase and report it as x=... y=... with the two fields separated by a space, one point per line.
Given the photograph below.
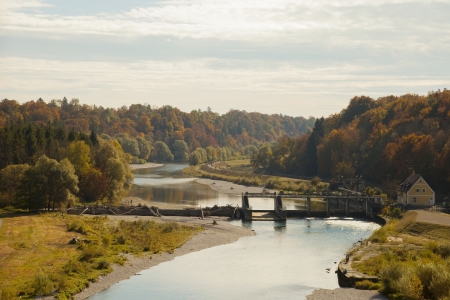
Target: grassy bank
x=38 y=258
x=240 y=174
x=411 y=258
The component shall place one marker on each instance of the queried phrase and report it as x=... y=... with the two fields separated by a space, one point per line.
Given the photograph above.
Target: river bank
x=213 y=235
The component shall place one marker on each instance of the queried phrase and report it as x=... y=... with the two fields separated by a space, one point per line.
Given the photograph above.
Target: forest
x=160 y=134
x=46 y=167
x=381 y=140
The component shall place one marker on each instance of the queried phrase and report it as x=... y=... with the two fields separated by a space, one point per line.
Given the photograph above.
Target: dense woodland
x=381 y=140
x=44 y=166
x=160 y=134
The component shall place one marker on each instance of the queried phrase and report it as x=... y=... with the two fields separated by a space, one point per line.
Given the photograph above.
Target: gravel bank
x=345 y=293
x=213 y=235
x=231 y=188
x=145 y=166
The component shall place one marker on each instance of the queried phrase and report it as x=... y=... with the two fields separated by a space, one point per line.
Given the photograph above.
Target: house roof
x=408 y=183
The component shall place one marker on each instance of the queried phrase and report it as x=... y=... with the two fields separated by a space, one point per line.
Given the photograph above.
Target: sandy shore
x=213 y=235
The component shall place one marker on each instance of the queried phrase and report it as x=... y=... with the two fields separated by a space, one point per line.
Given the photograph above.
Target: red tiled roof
x=408 y=183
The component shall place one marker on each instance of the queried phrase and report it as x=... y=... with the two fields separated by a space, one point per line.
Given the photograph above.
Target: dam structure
x=329 y=206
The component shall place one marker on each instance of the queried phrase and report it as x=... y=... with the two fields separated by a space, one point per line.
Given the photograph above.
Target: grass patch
x=248 y=178
x=415 y=268
x=37 y=259
x=238 y=162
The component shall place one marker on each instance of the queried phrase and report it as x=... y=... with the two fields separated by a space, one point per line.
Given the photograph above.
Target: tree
x=161 y=152
x=48 y=184
x=181 y=151
x=78 y=154
x=9 y=180
x=113 y=163
x=93 y=185
x=262 y=157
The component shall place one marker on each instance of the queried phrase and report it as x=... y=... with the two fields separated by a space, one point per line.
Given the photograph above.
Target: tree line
x=381 y=140
x=44 y=166
x=139 y=127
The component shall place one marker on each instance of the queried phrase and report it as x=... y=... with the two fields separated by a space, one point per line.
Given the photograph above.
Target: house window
x=417 y=190
x=414 y=199
x=423 y=190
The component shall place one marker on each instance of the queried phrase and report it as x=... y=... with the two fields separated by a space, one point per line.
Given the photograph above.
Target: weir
x=335 y=205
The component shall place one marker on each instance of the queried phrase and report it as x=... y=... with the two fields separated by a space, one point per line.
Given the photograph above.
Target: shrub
x=440 y=283
x=42 y=284
x=92 y=251
x=103 y=264
x=7 y=294
x=425 y=273
x=410 y=286
x=363 y=285
x=76 y=226
x=390 y=275
x=315 y=181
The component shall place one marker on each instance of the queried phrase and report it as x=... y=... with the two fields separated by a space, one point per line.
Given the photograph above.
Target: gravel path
x=345 y=293
x=432 y=217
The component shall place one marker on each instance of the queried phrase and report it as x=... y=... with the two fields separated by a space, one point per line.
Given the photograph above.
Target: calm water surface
x=167 y=184
x=283 y=261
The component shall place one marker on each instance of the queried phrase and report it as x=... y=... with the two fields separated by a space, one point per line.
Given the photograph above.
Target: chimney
x=412 y=172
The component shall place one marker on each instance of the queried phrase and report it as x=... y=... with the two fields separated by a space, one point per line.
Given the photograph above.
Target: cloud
x=39 y=75
x=284 y=20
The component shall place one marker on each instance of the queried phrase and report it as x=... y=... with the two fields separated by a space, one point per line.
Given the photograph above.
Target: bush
x=440 y=283
x=363 y=285
x=103 y=264
x=92 y=251
x=77 y=226
x=8 y=294
x=315 y=181
x=42 y=285
x=443 y=250
x=390 y=275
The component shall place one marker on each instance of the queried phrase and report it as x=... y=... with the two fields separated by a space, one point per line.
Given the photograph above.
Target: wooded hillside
x=382 y=140
x=167 y=124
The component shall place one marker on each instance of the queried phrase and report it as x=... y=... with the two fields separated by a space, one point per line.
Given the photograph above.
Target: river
x=284 y=260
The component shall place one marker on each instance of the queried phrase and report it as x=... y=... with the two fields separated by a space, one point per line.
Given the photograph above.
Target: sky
x=297 y=58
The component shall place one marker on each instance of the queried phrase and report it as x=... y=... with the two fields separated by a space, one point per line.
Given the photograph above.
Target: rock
x=74 y=240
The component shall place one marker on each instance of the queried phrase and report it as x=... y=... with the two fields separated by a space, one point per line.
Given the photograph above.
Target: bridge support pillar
x=328 y=207
x=308 y=206
x=366 y=206
x=347 y=210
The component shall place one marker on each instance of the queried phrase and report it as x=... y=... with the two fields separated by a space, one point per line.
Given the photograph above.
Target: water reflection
x=167 y=184
x=283 y=261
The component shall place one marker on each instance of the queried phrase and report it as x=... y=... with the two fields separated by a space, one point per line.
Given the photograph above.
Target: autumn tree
x=49 y=183
x=181 y=151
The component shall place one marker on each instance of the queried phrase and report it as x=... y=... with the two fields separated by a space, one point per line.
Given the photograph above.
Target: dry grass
x=416 y=268
x=32 y=244
x=36 y=257
x=239 y=162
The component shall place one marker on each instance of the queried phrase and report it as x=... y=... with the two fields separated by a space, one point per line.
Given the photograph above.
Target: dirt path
x=433 y=217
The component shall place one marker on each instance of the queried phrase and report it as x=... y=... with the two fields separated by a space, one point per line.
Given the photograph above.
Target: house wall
x=417 y=191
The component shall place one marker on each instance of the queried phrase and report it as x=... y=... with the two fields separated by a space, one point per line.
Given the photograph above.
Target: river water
x=284 y=260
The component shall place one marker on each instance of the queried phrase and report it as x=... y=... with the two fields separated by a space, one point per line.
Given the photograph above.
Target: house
x=415 y=191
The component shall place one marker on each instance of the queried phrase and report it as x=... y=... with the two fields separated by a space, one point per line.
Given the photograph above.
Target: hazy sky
x=300 y=58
